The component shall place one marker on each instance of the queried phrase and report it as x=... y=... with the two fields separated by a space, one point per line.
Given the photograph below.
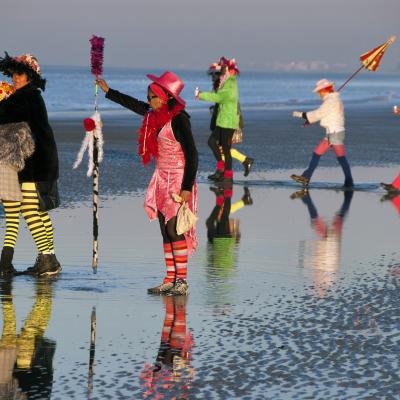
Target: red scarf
x=153 y=121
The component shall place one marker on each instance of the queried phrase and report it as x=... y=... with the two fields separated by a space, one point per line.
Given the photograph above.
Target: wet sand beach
x=301 y=302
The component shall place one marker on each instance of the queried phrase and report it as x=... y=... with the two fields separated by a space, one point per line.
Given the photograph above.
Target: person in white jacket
x=331 y=117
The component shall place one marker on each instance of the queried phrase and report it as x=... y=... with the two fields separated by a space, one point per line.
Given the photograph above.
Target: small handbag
x=237 y=136
x=185 y=218
x=48 y=195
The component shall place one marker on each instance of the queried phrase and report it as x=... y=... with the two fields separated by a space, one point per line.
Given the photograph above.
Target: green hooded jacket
x=227 y=97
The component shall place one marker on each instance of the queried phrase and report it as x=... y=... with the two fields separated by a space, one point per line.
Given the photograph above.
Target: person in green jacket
x=227 y=98
x=214 y=71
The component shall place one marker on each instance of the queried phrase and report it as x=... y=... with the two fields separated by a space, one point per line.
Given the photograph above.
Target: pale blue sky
x=191 y=34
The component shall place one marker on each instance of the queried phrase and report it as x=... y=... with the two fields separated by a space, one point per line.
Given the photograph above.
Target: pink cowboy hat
x=322 y=84
x=170 y=83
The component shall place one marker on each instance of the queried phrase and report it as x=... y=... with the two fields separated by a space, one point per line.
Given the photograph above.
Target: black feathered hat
x=25 y=63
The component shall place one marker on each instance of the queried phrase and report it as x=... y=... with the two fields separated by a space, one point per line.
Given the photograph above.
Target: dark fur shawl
x=16 y=144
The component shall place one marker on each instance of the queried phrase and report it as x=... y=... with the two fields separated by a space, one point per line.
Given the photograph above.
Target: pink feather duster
x=96 y=55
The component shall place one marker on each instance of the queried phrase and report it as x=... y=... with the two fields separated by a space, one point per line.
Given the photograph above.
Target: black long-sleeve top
x=180 y=127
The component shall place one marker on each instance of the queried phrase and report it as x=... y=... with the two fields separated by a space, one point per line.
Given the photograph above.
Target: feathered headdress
x=25 y=63
x=230 y=64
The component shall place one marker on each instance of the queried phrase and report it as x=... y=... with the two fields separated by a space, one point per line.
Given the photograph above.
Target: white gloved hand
x=297 y=114
x=196 y=92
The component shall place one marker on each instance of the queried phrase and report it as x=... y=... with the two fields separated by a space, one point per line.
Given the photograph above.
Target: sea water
x=71 y=89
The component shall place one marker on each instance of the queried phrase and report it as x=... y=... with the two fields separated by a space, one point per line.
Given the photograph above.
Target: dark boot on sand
x=6 y=267
x=216 y=176
x=300 y=179
x=161 y=289
x=181 y=288
x=247 y=164
x=47 y=265
x=389 y=188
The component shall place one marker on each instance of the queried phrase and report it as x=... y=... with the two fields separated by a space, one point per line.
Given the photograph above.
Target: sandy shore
x=294 y=311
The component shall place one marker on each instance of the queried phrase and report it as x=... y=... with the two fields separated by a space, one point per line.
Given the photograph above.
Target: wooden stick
x=95 y=192
x=95 y=204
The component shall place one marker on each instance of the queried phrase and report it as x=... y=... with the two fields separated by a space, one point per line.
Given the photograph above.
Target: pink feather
x=96 y=55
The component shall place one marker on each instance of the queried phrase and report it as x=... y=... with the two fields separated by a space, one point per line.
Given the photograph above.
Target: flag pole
x=350 y=78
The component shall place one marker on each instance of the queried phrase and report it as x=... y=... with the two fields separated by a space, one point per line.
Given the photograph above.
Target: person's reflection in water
x=8 y=342
x=223 y=235
x=323 y=254
x=394 y=199
x=26 y=369
x=172 y=371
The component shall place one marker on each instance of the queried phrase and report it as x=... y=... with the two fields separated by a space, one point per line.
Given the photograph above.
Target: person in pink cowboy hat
x=166 y=136
x=394 y=187
x=331 y=117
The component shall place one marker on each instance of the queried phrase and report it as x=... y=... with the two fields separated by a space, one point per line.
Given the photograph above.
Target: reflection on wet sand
x=322 y=255
x=26 y=359
x=394 y=198
x=92 y=350
x=223 y=233
x=172 y=372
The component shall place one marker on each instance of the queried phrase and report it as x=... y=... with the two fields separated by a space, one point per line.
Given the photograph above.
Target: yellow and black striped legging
x=38 y=222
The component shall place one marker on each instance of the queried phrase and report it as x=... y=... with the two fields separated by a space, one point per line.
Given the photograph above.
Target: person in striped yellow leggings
x=39 y=225
x=27 y=104
x=41 y=229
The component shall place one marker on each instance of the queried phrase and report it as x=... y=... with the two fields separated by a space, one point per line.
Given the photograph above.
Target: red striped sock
x=169 y=263
x=169 y=319
x=181 y=258
x=178 y=332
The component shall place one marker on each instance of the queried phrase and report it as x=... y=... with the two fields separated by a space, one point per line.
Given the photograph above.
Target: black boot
x=390 y=188
x=47 y=265
x=218 y=175
x=32 y=270
x=247 y=164
x=6 y=267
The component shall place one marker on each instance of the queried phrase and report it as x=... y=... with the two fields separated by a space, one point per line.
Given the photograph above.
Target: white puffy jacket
x=330 y=113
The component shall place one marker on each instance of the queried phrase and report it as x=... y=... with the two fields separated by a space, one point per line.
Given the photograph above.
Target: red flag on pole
x=370 y=60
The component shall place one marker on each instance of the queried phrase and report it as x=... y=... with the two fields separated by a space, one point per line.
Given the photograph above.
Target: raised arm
x=131 y=103
x=221 y=96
